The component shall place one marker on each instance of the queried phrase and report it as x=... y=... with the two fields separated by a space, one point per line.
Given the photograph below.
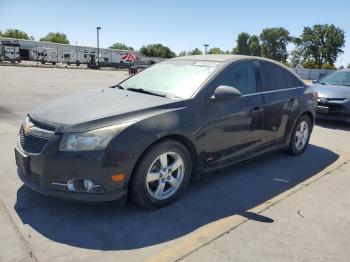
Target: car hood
x=100 y=107
x=332 y=91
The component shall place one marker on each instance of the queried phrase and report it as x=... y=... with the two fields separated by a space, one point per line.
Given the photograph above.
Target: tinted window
x=272 y=77
x=240 y=76
x=291 y=80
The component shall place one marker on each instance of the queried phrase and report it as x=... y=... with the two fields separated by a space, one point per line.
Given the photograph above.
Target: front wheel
x=300 y=136
x=161 y=175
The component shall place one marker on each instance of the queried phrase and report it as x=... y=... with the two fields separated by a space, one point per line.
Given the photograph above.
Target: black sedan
x=334 y=96
x=149 y=135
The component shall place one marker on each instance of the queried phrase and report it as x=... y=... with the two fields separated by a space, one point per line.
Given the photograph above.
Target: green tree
x=321 y=44
x=14 y=33
x=348 y=66
x=121 y=46
x=328 y=66
x=183 y=53
x=296 y=58
x=254 y=45
x=242 y=47
x=157 y=50
x=215 y=50
x=55 y=38
x=274 y=43
x=196 y=51
x=309 y=64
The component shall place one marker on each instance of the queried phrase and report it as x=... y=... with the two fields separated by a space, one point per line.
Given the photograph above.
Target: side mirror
x=223 y=93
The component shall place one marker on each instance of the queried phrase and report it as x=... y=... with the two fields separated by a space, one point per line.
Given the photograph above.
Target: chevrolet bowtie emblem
x=323 y=100
x=28 y=128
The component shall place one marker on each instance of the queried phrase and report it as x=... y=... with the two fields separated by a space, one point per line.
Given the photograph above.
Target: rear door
x=281 y=91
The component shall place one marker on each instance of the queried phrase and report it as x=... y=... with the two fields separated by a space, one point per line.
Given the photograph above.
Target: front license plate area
x=323 y=109
x=22 y=161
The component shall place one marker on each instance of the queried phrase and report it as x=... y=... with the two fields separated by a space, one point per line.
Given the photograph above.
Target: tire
x=163 y=186
x=299 y=143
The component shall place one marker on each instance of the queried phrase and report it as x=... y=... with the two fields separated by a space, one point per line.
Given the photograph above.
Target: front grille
x=32 y=144
x=336 y=108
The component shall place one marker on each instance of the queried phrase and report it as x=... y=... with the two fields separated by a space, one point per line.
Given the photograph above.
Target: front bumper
x=42 y=171
x=74 y=196
x=334 y=110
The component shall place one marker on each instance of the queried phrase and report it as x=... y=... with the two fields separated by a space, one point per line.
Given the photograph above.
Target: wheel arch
x=179 y=138
x=292 y=125
x=310 y=115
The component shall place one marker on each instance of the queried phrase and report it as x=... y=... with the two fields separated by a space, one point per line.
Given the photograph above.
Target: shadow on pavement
x=336 y=125
x=231 y=191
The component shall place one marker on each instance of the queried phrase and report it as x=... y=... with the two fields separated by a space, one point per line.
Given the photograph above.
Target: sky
x=180 y=25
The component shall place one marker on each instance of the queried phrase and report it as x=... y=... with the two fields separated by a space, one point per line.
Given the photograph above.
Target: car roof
x=225 y=60
x=222 y=58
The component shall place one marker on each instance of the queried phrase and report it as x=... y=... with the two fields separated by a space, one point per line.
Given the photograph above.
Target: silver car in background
x=334 y=96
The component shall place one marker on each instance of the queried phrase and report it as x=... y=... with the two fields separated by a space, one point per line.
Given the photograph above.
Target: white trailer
x=10 y=52
x=72 y=57
x=45 y=55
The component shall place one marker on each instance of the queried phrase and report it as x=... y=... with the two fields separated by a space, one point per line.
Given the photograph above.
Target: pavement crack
x=300 y=214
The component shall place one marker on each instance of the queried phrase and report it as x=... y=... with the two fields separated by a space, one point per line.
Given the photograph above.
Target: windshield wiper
x=143 y=91
x=335 y=84
x=118 y=86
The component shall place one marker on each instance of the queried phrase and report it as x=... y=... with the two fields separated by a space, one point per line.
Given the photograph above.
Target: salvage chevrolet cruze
x=147 y=136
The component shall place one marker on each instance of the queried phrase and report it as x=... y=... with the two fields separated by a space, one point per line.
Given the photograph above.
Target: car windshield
x=337 y=78
x=178 y=78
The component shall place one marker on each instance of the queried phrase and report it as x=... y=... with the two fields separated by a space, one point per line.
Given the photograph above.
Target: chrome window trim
x=273 y=91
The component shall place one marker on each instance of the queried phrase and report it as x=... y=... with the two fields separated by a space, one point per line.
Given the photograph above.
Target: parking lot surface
x=275 y=208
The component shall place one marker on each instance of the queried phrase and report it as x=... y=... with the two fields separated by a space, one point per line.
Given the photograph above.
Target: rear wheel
x=161 y=175
x=300 y=136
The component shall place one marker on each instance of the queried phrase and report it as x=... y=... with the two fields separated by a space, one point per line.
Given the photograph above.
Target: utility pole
x=205 y=48
x=98 y=46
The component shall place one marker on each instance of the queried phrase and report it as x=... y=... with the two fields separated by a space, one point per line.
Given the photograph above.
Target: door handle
x=291 y=101
x=257 y=109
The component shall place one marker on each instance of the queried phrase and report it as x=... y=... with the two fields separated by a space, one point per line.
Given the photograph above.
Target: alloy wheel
x=165 y=175
x=301 y=135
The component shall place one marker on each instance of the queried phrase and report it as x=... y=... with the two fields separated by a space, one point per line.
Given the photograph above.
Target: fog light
x=70 y=185
x=88 y=185
x=78 y=185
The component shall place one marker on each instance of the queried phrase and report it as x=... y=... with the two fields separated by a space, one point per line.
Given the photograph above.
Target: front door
x=233 y=129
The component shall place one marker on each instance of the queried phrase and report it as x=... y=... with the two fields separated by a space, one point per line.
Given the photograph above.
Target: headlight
x=96 y=139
